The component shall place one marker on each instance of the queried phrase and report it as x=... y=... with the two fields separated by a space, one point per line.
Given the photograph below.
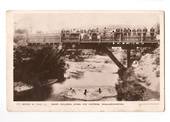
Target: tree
x=20 y=35
x=43 y=63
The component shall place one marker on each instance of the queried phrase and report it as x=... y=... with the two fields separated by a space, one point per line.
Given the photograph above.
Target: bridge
x=103 y=43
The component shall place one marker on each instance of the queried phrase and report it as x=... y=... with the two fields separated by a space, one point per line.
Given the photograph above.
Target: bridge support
x=114 y=59
x=128 y=58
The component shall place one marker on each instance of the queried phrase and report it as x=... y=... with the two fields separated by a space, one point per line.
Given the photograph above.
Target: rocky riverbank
x=142 y=80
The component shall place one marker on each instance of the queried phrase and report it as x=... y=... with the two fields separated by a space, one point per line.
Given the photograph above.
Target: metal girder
x=114 y=59
x=128 y=58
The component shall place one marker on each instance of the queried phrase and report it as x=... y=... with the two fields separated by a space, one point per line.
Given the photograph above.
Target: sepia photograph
x=92 y=58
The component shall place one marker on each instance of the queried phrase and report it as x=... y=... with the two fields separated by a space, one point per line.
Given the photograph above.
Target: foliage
x=130 y=91
x=20 y=35
x=34 y=65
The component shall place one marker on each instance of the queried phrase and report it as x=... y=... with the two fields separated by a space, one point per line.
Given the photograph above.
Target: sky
x=52 y=21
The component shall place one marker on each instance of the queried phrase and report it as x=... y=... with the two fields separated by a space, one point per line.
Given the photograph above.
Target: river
x=91 y=74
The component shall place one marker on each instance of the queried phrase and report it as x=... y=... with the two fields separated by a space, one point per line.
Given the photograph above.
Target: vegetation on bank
x=35 y=65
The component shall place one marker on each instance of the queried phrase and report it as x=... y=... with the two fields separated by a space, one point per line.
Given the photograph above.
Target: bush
x=130 y=91
x=35 y=65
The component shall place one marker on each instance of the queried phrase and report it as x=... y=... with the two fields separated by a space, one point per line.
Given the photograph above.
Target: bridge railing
x=116 y=37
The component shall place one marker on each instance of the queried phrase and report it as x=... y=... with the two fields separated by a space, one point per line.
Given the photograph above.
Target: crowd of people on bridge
x=111 y=34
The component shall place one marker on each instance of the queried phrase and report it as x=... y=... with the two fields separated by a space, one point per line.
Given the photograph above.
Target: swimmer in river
x=85 y=92
x=73 y=91
x=100 y=91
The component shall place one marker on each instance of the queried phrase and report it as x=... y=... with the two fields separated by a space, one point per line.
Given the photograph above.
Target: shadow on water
x=76 y=75
x=40 y=93
x=34 y=94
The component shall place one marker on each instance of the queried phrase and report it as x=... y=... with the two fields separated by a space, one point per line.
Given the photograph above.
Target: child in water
x=85 y=92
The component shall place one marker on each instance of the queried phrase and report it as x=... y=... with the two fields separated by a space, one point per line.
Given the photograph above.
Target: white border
x=49 y=106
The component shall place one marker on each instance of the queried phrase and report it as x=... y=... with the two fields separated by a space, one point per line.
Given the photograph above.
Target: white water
x=93 y=72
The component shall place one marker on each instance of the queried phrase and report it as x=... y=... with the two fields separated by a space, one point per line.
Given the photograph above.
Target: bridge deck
x=124 y=42
x=86 y=45
x=96 y=44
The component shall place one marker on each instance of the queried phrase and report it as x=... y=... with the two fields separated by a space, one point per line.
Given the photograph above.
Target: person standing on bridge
x=152 y=33
x=62 y=34
x=139 y=33
x=129 y=33
x=81 y=36
x=121 y=34
x=112 y=35
x=125 y=34
x=98 y=37
x=144 y=33
x=118 y=34
x=134 y=34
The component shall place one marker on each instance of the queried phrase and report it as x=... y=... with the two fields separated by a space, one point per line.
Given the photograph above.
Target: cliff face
x=142 y=80
x=148 y=70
